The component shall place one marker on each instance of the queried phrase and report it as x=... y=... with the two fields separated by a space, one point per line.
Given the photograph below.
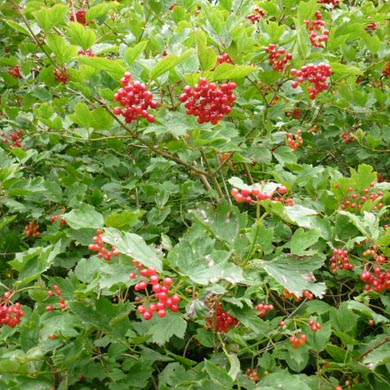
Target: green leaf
x=54 y=16
x=120 y=219
x=98 y=119
x=218 y=375
x=285 y=381
x=168 y=63
x=234 y=365
x=115 y=68
x=207 y=57
x=229 y=71
x=84 y=216
x=132 y=53
x=61 y=48
x=342 y=70
x=20 y=27
x=81 y=36
x=295 y=273
x=379 y=356
x=301 y=216
x=32 y=263
x=134 y=246
x=367 y=311
x=302 y=240
x=172 y=325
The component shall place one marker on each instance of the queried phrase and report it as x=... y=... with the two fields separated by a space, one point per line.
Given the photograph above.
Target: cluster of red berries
x=315 y=326
x=371 y=27
x=333 y=2
x=296 y=113
x=224 y=59
x=278 y=57
x=88 y=52
x=386 y=69
x=14 y=139
x=136 y=99
x=10 y=313
x=57 y=292
x=32 y=230
x=99 y=246
x=208 y=101
x=354 y=200
x=259 y=13
x=220 y=320
x=80 y=16
x=55 y=218
x=62 y=75
x=15 y=72
x=264 y=308
x=295 y=141
x=378 y=258
x=290 y=295
x=253 y=375
x=318 y=33
x=348 y=137
x=252 y=195
x=161 y=299
x=340 y=260
x=316 y=75
x=298 y=341
x=378 y=280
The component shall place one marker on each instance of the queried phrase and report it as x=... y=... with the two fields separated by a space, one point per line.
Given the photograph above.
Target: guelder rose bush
x=194 y=195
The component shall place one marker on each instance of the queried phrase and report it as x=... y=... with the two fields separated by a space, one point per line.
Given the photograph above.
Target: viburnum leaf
x=133 y=245
x=172 y=325
x=295 y=273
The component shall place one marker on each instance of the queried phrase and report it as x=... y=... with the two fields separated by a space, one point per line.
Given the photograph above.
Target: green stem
x=259 y=222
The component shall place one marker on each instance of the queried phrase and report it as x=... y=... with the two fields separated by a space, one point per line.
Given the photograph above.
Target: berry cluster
x=160 y=299
x=295 y=141
x=290 y=295
x=264 y=308
x=379 y=258
x=14 y=139
x=315 y=325
x=340 y=260
x=32 y=230
x=62 y=75
x=355 y=200
x=316 y=75
x=378 y=280
x=318 y=34
x=253 y=375
x=332 y=2
x=136 y=99
x=278 y=57
x=253 y=195
x=371 y=27
x=10 y=313
x=386 y=69
x=208 y=101
x=15 y=72
x=224 y=59
x=348 y=137
x=99 y=246
x=298 y=341
x=88 y=52
x=296 y=113
x=254 y=18
x=220 y=320
x=80 y=16
x=55 y=218
x=57 y=292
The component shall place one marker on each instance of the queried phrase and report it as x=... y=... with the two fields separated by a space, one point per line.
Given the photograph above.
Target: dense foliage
x=194 y=195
